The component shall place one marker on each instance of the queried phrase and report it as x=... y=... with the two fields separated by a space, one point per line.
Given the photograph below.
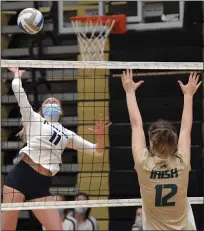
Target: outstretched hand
x=100 y=126
x=128 y=84
x=16 y=72
x=192 y=86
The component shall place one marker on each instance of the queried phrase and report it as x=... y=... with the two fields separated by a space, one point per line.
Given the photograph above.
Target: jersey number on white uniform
x=55 y=138
x=163 y=200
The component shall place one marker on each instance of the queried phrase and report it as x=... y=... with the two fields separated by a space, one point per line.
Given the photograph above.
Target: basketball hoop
x=92 y=32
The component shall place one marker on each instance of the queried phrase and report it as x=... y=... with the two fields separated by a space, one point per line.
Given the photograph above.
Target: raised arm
x=82 y=145
x=184 y=142
x=138 y=136
x=25 y=107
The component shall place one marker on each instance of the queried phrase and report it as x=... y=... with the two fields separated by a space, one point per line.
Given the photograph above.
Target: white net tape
x=103 y=65
x=88 y=203
x=92 y=46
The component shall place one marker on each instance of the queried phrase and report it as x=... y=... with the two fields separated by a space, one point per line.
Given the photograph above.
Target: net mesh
x=86 y=90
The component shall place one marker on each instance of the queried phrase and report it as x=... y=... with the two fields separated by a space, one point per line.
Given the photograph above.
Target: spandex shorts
x=29 y=182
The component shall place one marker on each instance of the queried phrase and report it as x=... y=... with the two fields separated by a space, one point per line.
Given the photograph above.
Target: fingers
x=105 y=123
x=196 y=79
x=190 y=77
x=123 y=76
x=138 y=84
x=16 y=71
x=128 y=74
x=91 y=130
x=101 y=120
x=181 y=86
x=107 y=120
x=192 y=86
x=13 y=69
x=198 y=85
x=180 y=83
x=108 y=125
x=193 y=78
x=100 y=126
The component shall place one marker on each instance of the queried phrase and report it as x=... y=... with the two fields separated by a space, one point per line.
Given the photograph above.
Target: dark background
x=159 y=97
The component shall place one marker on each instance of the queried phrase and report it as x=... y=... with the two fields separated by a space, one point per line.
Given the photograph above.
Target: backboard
x=141 y=15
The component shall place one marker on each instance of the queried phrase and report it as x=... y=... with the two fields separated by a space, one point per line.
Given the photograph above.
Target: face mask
x=139 y=221
x=80 y=210
x=51 y=111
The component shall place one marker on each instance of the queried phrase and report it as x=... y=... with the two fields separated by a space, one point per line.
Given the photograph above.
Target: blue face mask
x=51 y=111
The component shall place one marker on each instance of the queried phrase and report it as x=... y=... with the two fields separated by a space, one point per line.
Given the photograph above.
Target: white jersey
x=46 y=141
x=70 y=223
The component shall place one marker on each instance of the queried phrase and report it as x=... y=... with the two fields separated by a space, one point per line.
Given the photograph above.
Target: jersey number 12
x=163 y=200
x=55 y=140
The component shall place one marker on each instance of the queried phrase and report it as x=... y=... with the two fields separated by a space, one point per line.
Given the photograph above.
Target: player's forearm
x=22 y=99
x=187 y=116
x=134 y=112
x=82 y=145
x=100 y=145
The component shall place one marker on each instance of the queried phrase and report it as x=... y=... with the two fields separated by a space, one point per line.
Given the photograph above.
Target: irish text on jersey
x=173 y=173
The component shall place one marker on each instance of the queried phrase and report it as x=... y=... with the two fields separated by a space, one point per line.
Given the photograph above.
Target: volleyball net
x=87 y=90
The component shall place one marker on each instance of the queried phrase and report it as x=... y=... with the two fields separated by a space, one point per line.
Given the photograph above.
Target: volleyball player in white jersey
x=39 y=160
x=163 y=171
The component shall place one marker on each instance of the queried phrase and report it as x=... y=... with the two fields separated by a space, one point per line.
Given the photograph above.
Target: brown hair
x=163 y=138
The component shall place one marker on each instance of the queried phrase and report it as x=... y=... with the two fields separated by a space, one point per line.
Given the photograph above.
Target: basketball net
x=92 y=37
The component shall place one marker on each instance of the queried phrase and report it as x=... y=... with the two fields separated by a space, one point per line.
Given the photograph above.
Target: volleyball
x=30 y=21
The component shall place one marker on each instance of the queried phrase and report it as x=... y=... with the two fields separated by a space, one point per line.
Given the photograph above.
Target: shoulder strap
x=73 y=223
x=91 y=223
